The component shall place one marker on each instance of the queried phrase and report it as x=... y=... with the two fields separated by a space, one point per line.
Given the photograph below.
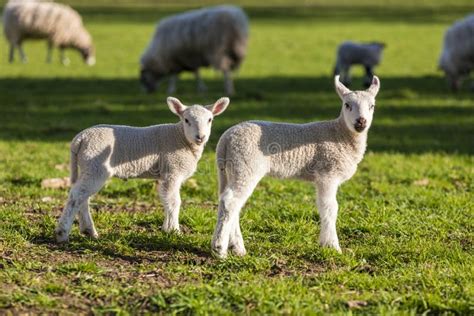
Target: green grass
x=406 y=218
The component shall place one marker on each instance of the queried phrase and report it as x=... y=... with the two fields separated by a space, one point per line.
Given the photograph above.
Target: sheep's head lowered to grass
x=358 y=106
x=197 y=119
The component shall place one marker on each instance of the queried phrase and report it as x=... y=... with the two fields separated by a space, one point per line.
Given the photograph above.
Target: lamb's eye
x=210 y=120
x=187 y=121
x=348 y=106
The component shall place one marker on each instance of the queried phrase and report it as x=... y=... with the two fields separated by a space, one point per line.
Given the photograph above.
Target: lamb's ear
x=375 y=86
x=340 y=88
x=176 y=106
x=219 y=106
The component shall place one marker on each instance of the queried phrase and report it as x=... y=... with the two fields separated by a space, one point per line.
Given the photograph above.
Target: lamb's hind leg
x=327 y=207
x=79 y=194
x=236 y=241
x=227 y=230
x=86 y=223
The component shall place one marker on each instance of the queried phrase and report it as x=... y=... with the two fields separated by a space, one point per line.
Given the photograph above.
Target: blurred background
x=287 y=74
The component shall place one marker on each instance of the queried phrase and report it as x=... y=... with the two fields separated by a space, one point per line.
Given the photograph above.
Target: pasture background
x=406 y=218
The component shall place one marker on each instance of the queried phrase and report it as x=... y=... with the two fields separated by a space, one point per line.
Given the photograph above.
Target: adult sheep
x=215 y=36
x=350 y=53
x=59 y=24
x=325 y=153
x=457 y=57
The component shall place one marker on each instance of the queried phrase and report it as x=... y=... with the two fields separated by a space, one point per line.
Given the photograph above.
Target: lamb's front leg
x=169 y=194
x=327 y=207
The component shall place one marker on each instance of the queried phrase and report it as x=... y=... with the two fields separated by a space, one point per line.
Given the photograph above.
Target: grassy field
x=406 y=222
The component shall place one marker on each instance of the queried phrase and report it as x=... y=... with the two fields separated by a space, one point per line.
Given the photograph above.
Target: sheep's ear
x=375 y=86
x=340 y=88
x=219 y=106
x=176 y=106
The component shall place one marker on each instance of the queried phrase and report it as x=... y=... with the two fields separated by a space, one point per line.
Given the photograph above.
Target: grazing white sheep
x=168 y=153
x=325 y=153
x=457 y=58
x=349 y=53
x=215 y=36
x=59 y=24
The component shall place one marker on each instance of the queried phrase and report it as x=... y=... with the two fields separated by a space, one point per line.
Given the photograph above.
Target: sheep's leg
x=86 y=223
x=336 y=69
x=228 y=82
x=23 y=57
x=62 y=56
x=78 y=195
x=172 y=84
x=11 y=56
x=327 y=207
x=345 y=75
x=228 y=229
x=369 y=75
x=49 y=53
x=201 y=87
x=169 y=194
x=236 y=241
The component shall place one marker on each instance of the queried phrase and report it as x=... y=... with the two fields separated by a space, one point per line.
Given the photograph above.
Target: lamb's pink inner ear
x=220 y=106
x=375 y=86
x=176 y=106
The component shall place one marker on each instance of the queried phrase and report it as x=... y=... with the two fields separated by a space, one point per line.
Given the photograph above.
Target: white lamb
x=215 y=36
x=168 y=153
x=59 y=24
x=349 y=53
x=457 y=58
x=325 y=153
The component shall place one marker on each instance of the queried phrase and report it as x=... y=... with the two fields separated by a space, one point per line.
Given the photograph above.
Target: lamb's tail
x=75 y=146
x=221 y=165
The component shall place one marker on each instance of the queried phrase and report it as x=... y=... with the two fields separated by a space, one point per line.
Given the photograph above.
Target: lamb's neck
x=356 y=141
x=181 y=138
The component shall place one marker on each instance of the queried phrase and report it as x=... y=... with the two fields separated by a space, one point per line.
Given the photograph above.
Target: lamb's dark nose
x=200 y=138
x=360 y=124
x=361 y=121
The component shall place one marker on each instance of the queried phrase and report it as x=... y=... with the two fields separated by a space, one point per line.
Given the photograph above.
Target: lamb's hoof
x=62 y=236
x=218 y=252
x=331 y=245
x=171 y=230
x=239 y=251
x=91 y=233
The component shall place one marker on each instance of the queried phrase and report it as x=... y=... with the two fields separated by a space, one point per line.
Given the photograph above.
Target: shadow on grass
x=341 y=13
x=153 y=247
x=415 y=114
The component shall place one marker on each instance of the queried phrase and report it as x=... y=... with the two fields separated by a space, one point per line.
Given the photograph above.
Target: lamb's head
x=357 y=106
x=197 y=119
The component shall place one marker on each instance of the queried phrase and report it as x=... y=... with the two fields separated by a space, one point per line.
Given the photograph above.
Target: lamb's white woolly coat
x=168 y=153
x=324 y=153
